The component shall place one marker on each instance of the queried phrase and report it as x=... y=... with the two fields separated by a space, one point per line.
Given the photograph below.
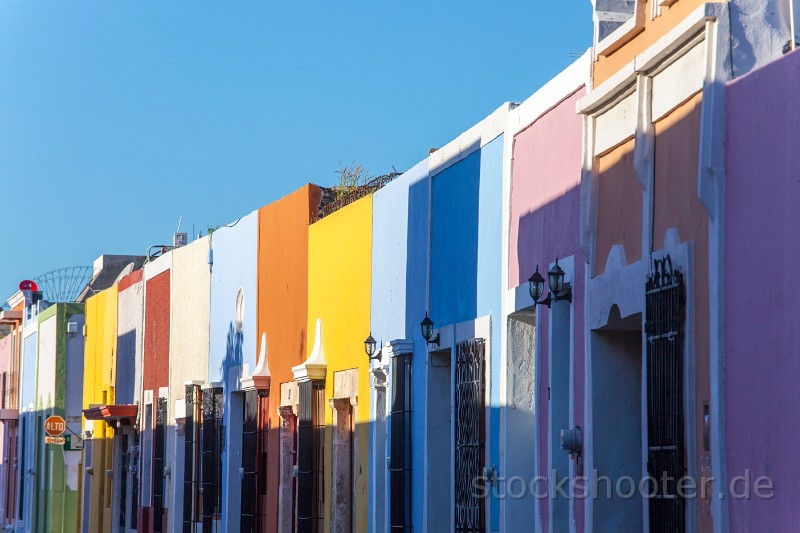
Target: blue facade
x=28 y=385
x=399 y=297
x=466 y=261
x=233 y=267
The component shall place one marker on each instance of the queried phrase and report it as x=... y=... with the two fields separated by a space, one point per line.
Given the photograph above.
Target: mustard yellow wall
x=99 y=364
x=339 y=284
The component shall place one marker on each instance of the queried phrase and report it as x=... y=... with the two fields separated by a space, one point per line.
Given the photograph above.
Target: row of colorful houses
x=226 y=384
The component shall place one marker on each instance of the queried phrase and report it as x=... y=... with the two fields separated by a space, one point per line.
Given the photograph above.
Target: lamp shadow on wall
x=233 y=352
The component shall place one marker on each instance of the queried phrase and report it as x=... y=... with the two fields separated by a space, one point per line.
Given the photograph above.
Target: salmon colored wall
x=676 y=205
x=606 y=66
x=618 y=187
x=155 y=357
x=155 y=371
x=339 y=288
x=131 y=279
x=283 y=306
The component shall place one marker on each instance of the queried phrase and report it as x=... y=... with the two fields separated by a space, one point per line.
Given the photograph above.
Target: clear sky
x=116 y=118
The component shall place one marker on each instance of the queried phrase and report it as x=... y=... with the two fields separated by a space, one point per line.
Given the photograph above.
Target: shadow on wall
x=417 y=246
x=126 y=366
x=233 y=352
x=549 y=231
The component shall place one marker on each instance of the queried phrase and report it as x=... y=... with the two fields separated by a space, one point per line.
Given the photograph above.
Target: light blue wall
x=399 y=295
x=28 y=392
x=234 y=253
x=466 y=260
x=73 y=395
x=234 y=249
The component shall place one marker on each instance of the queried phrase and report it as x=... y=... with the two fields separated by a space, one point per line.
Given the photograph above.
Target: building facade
x=190 y=278
x=400 y=244
x=283 y=236
x=10 y=362
x=333 y=382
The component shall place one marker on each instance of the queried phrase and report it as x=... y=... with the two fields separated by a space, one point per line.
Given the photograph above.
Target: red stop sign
x=54 y=426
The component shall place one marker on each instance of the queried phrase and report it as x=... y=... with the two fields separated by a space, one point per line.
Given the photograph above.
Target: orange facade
x=676 y=205
x=618 y=187
x=282 y=308
x=608 y=65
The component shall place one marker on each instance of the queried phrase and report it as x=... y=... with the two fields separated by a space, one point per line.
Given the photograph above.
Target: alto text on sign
x=54 y=426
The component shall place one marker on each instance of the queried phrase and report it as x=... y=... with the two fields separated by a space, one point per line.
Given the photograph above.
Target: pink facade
x=762 y=252
x=9 y=412
x=545 y=225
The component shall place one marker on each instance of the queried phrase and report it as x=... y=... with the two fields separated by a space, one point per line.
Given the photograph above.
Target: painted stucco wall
x=130 y=312
x=28 y=415
x=617 y=185
x=101 y=348
x=99 y=383
x=466 y=261
x=57 y=468
x=234 y=249
x=155 y=363
x=5 y=352
x=283 y=306
x=545 y=196
x=608 y=64
x=232 y=353
x=399 y=300
x=545 y=224
x=676 y=205
x=155 y=373
x=189 y=322
x=759 y=29
x=28 y=371
x=339 y=270
x=190 y=294
x=760 y=340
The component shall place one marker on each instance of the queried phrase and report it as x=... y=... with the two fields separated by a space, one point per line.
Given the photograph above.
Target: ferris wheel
x=64 y=285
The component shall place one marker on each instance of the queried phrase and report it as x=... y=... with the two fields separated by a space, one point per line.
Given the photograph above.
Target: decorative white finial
x=315 y=365
x=262 y=367
x=260 y=378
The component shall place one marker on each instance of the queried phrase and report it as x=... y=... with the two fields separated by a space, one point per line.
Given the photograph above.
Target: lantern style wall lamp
x=427 y=330
x=555 y=279
x=371 y=346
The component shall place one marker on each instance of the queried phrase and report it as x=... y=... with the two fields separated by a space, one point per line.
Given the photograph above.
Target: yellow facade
x=339 y=285
x=99 y=367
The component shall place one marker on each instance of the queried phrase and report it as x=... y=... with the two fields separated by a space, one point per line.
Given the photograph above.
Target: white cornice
x=16 y=299
x=471 y=140
x=652 y=58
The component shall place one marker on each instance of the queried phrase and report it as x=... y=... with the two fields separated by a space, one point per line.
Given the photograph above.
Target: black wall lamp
x=427 y=330
x=558 y=289
x=371 y=346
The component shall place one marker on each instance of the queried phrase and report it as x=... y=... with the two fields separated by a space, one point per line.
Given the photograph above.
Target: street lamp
x=536 y=289
x=427 y=330
x=536 y=285
x=556 y=281
x=371 y=346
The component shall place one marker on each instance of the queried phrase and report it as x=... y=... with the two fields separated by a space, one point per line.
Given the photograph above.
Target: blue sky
x=116 y=118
